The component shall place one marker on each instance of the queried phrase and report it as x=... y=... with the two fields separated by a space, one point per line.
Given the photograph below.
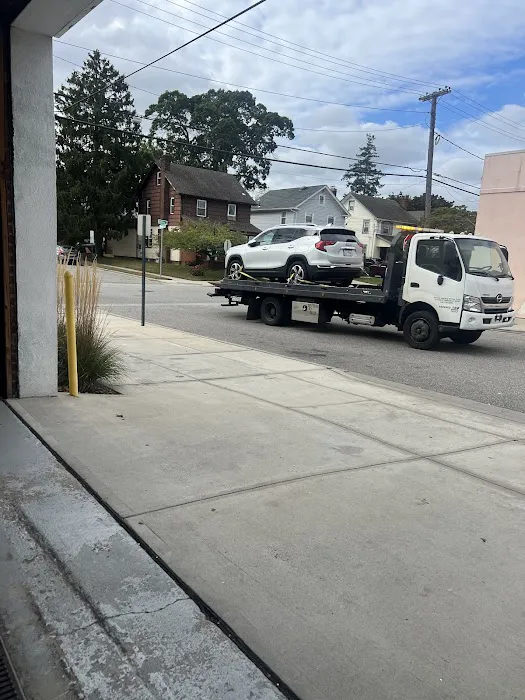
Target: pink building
x=501 y=213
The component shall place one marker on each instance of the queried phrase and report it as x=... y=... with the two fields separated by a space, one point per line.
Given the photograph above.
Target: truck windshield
x=483 y=258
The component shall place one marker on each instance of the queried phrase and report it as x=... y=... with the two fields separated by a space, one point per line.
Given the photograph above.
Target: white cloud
x=470 y=45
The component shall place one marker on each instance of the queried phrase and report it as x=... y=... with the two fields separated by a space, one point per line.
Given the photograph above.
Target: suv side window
x=440 y=257
x=286 y=235
x=266 y=238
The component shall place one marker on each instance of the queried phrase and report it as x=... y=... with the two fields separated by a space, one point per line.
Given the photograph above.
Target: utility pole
x=431 y=97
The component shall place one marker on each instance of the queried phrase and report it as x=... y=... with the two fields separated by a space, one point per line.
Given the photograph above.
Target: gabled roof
x=384 y=209
x=289 y=198
x=208 y=184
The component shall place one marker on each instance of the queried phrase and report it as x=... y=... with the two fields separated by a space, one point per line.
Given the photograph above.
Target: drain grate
x=9 y=688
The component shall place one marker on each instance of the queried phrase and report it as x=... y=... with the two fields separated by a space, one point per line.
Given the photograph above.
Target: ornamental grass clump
x=99 y=361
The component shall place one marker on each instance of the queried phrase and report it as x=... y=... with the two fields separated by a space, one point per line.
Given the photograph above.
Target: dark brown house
x=176 y=192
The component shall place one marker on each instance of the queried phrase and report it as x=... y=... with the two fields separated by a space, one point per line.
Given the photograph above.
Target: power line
x=468 y=184
x=390 y=85
x=356 y=131
x=476 y=194
x=480 y=122
x=484 y=110
x=247 y=87
x=77 y=65
x=367 y=69
x=269 y=58
x=460 y=147
x=169 y=53
x=333 y=155
x=222 y=150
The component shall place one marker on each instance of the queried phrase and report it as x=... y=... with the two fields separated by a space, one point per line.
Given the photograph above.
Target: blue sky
x=378 y=53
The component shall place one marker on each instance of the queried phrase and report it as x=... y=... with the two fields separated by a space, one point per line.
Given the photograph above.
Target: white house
x=374 y=221
x=316 y=204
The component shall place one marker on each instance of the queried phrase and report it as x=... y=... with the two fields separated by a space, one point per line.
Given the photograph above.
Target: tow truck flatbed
x=228 y=287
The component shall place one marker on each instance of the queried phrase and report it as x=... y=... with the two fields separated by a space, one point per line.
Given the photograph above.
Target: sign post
x=162 y=223
x=143 y=225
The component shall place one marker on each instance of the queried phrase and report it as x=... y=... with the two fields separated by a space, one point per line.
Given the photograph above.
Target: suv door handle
x=414 y=284
x=265 y=247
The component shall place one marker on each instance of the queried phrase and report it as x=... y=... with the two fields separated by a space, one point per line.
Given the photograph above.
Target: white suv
x=296 y=252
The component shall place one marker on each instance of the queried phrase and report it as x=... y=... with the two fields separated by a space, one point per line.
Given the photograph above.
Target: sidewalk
x=363 y=539
x=84 y=611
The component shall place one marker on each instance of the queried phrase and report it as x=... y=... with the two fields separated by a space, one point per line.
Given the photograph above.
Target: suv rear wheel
x=297 y=271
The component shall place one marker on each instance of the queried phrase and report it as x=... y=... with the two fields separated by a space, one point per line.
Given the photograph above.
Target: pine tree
x=363 y=177
x=98 y=170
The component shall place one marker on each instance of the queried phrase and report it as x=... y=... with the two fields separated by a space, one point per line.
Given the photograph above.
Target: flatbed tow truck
x=436 y=285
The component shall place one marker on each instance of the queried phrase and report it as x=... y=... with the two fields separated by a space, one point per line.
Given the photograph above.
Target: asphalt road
x=491 y=371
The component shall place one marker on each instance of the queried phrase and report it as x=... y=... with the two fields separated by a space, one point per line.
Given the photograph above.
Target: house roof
x=385 y=209
x=418 y=215
x=286 y=199
x=209 y=184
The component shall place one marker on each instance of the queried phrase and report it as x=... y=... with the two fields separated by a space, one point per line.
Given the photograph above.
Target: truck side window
x=440 y=257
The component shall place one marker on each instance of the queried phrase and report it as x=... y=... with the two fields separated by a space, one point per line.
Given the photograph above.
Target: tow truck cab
x=465 y=280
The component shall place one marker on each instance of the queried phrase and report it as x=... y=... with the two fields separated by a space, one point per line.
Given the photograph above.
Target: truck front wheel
x=465 y=337
x=421 y=330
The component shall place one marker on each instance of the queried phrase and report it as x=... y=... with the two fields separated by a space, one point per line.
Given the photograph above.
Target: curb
x=153 y=275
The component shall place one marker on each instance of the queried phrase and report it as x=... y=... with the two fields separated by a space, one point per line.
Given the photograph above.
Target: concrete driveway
x=365 y=541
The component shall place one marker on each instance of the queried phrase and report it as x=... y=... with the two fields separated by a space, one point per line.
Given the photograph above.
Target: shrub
x=98 y=360
x=198 y=270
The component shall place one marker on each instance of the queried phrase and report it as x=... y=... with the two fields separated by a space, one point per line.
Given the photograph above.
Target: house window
x=283 y=217
x=321 y=199
x=386 y=229
x=232 y=211
x=149 y=239
x=172 y=205
x=366 y=227
x=309 y=218
x=330 y=219
x=148 y=206
x=202 y=207
x=159 y=175
x=351 y=204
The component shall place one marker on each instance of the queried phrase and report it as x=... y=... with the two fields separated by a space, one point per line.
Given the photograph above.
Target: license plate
x=348 y=251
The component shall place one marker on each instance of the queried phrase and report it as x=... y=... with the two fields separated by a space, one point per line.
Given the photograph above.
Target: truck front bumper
x=472 y=321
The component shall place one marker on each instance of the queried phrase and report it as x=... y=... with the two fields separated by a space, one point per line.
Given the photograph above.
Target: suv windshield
x=483 y=258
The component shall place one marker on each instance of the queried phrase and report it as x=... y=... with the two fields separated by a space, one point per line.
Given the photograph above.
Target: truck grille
x=494 y=300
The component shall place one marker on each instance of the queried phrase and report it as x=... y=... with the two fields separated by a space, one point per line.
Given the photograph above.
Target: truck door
x=435 y=275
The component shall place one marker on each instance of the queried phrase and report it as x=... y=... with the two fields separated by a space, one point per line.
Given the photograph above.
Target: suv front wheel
x=297 y=271
x=234 y=269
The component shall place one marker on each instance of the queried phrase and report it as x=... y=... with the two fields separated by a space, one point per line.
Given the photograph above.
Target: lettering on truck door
x=435 y=276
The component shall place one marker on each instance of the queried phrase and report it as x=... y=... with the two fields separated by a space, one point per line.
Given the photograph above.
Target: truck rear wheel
x=275 y=311
x=465 y=337
x=421 y=330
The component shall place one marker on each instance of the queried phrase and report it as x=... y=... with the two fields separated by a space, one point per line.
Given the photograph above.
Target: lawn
x=168 y=269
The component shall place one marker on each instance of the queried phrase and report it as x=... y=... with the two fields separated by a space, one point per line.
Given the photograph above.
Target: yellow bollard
x=69 y=294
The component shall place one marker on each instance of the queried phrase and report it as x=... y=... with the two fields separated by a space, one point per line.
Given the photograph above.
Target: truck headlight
x=471 y=303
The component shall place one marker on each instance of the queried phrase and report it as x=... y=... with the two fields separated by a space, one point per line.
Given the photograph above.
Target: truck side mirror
x=440 y=279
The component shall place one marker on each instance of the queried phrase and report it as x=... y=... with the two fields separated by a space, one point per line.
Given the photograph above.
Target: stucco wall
x=501 y=213
x=35 y=211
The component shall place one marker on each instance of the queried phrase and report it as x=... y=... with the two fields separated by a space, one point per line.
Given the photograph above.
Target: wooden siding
x=217 y=210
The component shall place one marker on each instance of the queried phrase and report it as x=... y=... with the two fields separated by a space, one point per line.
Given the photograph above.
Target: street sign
x=162 y=223
x=143 y=225
x=227 y=245
x=91 y=237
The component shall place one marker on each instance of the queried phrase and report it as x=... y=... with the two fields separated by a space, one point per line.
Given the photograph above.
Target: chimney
x=403 y=203
x=333 y=190
x=164 y=162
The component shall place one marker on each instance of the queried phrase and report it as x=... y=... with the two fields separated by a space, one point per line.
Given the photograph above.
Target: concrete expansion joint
x=102 y=619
